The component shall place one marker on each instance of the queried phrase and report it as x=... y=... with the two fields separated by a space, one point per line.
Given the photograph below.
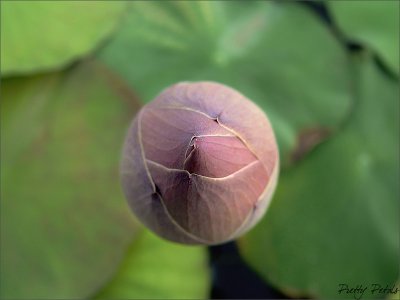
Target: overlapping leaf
x=374 y=24
x=157 y=269
x=64 y=222
x=277 y=54
x=46 y=35
x=334 y=219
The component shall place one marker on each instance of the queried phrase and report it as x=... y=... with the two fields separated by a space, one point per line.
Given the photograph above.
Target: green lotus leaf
x=65 y=225
x=334 y=218
x=157 y=269
x=371 y=23
x=38 y=36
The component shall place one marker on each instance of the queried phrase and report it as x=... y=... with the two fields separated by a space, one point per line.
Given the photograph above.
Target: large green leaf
x=157 y=269
x=64 y=222
x=373 y=23
x=278 y=54
x=44 y=35
x=334 y=219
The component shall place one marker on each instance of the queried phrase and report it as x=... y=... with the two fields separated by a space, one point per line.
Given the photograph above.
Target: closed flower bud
x=200 y=164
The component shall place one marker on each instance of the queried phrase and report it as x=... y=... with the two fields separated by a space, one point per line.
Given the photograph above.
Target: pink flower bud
x=200 y=164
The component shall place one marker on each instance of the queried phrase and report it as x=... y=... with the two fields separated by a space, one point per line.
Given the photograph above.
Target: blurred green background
x=73 y=75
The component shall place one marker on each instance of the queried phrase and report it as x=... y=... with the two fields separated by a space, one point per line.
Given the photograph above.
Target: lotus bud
x=200 y=164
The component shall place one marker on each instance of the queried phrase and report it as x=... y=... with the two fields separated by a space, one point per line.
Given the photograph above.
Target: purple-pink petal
x=217 y=156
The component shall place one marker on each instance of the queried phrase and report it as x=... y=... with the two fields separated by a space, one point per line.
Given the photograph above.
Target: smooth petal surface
x=262 y=204
x=211 y=209
x=216 y=156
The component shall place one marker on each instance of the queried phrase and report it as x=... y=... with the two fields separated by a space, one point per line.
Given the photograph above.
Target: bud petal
x=217 y=156
x=200 y=164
